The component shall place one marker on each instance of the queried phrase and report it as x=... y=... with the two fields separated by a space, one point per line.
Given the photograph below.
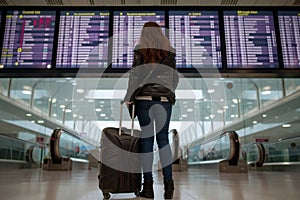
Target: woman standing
x=151 y=87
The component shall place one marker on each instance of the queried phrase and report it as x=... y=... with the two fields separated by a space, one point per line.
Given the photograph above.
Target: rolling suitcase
x=120 y=169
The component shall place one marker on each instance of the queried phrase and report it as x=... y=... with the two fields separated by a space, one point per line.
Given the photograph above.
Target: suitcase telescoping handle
x=121 y=117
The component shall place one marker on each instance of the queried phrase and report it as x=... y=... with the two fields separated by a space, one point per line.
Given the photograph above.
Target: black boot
x=169 y=189
x=147 y=191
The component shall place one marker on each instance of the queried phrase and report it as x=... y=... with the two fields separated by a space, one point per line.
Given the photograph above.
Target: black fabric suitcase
x=120 y=169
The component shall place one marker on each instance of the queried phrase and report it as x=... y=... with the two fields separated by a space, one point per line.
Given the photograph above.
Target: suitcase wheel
x=137 y=193
x=106 y=195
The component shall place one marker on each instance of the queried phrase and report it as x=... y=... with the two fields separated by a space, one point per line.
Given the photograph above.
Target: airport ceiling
x=149 y=3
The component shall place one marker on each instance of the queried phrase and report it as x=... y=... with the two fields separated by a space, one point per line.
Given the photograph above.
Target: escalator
x=223 y=151
x=67 y=150
x=274 y=156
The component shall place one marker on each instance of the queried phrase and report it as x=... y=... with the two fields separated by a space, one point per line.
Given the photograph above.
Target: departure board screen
x=289 y=26
x=126 y=33
x=28 y=39
x=196 y=37
x=250 y=39
x=83 y=39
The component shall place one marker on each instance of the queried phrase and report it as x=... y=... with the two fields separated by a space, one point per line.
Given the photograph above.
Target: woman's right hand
x=128 y=102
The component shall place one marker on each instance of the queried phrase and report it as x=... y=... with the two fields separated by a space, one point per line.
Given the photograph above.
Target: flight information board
x=83 y=39
x=250 y=39
x=126 y=33
x=28 y=39
x=196 y=37
x=289 y=26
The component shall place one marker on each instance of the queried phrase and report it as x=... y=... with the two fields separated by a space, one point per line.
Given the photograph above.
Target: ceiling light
x=211 y=116
x=26 y=92
x=54 y=100
x=80 y=91
x=102 y=115
x=40 y=121
x=68 y=110
x=62 y=106
x=286 y=125
x=32 y=121
x=266 y=88
x=26 y=87
x=189 y=110
x=98 y=109
x=211 y=91
x=28 y=114
x=254 y=122
x=184 y=115
x=54 y=115
x=220 y=111
x=264 y=115
x=235 y=100
x=266 y=92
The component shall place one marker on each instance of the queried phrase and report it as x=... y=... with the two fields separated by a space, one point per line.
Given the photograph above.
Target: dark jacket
x=153 y=79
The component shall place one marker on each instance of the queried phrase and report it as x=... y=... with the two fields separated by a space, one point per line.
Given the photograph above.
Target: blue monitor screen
x=28 y=39
x=196 y=37
x=83 y=39
x=289 y=26
x=250 y=39
x=127 y=28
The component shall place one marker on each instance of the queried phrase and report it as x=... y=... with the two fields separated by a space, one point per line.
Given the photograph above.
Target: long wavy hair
x=153 y=44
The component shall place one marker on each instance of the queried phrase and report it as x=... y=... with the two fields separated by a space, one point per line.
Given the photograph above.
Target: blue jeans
x=155 y=116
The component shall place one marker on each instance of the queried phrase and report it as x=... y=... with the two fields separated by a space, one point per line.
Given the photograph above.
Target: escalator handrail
x=261 y=155
x=55 y=154
x=234 y=154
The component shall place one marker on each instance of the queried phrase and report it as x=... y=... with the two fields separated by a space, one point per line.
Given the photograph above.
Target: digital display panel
x=28 y=39
x=83 y=39
x=250 y=39
x=126 y=33
x=289 y=26
x=196 y=37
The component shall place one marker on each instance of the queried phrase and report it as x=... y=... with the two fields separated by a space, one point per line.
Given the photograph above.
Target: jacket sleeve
x=171 y=62
x=133 y=81
x=175 y=73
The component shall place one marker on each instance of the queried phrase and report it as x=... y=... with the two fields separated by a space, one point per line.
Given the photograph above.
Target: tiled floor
x=36 y=184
